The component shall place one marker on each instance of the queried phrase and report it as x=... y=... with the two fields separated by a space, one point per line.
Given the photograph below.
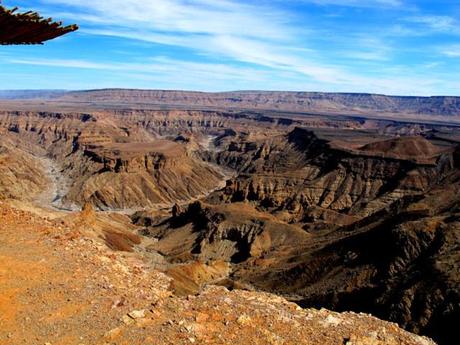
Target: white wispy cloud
x=251 y=34
x=369 y=47
x=358 y=3
x=155 y=67
x=245 y=33
x=452 y=51
x=205 y=17
x=443 y=24
x=163 y=72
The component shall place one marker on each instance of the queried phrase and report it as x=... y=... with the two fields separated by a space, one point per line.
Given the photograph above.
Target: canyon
x=348 y=202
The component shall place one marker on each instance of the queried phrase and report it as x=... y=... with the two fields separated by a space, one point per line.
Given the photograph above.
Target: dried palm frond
x=29 y=27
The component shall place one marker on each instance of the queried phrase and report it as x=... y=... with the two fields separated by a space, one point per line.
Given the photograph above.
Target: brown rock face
x=87 y=211
x=140 y=175
x=298 y=173
x=114 y=167
x=399 y=264
x=22 y=175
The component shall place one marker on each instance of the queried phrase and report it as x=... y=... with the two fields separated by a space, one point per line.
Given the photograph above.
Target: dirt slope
x=414 y=147
x=58 y=286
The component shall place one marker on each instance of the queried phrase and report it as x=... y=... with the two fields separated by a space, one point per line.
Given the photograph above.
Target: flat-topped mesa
x=412 y=148
x=91 y=140
x=337 y=103
x=174 y=122
x=135 y=157
x=131 y=175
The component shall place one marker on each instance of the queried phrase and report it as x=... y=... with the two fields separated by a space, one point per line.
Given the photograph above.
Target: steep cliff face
x=116 y=166
x=294 y=174
x=21 y=175
x=139 y=176
x=399 y=264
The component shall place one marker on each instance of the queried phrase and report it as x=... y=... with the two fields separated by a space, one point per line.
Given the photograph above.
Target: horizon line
x=229 y=91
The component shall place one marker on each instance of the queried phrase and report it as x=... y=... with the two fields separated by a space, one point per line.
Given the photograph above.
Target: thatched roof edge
x=29 y=27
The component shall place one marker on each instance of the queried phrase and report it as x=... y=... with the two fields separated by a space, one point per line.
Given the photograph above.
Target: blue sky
x=405 y=47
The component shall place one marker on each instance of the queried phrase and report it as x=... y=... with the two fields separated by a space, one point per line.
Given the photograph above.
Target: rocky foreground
x=61 y=284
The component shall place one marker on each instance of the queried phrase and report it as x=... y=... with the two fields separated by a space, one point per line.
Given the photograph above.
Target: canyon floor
x=128 y=220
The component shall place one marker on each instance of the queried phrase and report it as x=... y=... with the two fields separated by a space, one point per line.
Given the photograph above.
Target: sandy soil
x=59 y=185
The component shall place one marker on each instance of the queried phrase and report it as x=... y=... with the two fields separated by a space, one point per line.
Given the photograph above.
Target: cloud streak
x=244 y=33
x=257 y=43
x=359 y=3
x=443 y=24
x=451 y=51
x=199 y=75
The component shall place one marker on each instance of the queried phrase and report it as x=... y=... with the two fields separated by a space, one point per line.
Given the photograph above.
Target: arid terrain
x=137 y=217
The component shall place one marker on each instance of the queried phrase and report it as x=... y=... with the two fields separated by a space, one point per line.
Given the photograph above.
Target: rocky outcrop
x=139 y=176
x=387 y=252
x=399 y=264
x=299 y=172
x=115 y=167
x=22 y=176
